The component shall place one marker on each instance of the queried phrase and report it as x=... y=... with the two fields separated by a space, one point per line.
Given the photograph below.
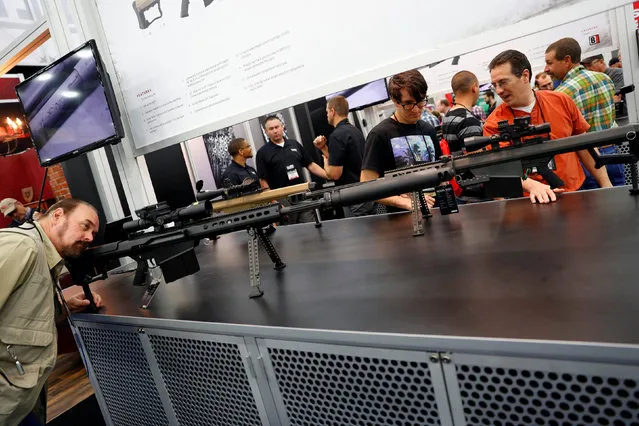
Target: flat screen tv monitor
x=70 y=106
x=365 y=95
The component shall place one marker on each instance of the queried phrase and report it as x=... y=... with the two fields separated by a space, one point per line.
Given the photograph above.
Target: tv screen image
x=365 y=95
x=70 y=107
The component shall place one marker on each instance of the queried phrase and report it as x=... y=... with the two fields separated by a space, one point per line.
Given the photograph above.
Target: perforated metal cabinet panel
x=625 y=149
x=318 y=384
x=123 y=374
x=208 y=378
x=500 y=391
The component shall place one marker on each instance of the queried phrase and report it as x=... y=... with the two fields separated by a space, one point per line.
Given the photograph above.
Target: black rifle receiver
x=521 y=128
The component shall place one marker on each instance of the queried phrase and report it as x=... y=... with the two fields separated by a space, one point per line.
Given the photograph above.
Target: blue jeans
x=615 y=172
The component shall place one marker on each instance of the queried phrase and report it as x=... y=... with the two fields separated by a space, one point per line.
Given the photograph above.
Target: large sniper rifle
x=172 y=248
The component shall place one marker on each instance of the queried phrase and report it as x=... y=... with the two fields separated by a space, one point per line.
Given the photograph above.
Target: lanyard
x=541 y=112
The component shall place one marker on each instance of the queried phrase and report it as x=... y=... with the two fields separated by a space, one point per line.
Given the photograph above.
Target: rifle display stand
x=254 y=264
x=149 y=293
x=148 y=274
x=257 y=235
x=419 y=213
x=270 y=249
x=318 y=221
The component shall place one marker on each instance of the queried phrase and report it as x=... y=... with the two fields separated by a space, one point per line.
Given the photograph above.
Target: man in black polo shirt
x=403 y=139
x=280 y=162
x=238 y=172
x=342 y=152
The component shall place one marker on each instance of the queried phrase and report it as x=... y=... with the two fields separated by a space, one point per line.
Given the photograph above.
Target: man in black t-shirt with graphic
x=342 y=152
x=403 y=139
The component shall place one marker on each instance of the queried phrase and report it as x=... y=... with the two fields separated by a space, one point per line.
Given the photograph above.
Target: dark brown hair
x=68 y=205
x=271 y=118
x=566 y=47
x=517 y=60
x=413 y=81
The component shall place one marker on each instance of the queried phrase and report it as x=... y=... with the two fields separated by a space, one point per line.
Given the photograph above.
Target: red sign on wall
x=8 y=89
x=636 y=12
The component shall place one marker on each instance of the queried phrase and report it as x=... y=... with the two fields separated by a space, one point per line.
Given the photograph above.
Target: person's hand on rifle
x=79 y=302
x=540 y=192
x=430 y=201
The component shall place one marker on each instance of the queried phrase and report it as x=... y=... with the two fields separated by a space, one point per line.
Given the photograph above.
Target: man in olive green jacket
x=31 y=259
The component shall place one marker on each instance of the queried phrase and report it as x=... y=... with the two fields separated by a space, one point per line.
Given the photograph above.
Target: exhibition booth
x=500 y=313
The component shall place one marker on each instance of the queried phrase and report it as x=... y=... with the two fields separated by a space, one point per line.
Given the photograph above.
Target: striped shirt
x=593 y=94
x=459 y=124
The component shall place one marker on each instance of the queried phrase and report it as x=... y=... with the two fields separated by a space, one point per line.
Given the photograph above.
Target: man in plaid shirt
x=430 y=118
x=593 y=94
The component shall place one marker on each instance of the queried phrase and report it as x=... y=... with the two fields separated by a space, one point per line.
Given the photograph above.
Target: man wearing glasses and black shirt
x=403 y=139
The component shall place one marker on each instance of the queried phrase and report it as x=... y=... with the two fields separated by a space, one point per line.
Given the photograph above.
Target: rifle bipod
x=255 y=235
x=148 y=274
x=420 y=212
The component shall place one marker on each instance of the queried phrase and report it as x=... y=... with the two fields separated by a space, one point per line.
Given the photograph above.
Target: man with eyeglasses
x=238 y=172
x=543 y=82
x=403 y=139
x=510 y=74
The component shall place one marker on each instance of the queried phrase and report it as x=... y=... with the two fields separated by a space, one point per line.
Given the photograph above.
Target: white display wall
x=183 y=76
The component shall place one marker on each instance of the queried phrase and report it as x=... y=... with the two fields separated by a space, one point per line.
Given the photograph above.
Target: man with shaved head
x=460 y=122
x=31 y=260
x=342 y=151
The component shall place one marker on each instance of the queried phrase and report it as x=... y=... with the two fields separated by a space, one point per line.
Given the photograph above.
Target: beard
x=73 y=250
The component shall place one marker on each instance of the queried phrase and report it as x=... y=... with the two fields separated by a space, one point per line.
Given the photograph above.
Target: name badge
x=292 y=174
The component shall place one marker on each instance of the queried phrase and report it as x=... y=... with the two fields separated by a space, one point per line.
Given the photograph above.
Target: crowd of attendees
x=573 y=94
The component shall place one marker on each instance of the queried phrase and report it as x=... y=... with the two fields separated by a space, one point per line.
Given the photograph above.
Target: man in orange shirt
x=510 y=74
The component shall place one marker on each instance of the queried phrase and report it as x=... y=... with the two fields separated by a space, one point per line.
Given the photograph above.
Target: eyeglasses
x=411 y=105
x=501 y=83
